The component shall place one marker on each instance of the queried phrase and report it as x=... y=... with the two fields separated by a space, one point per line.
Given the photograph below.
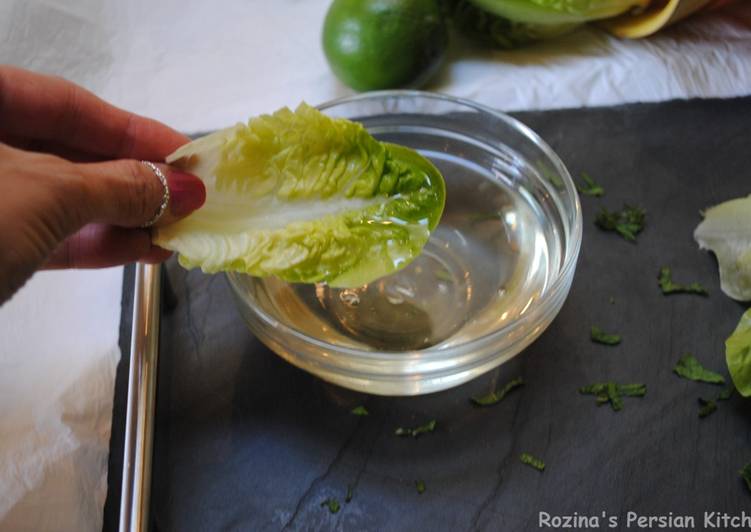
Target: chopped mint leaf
x=420 y=485
x=665 y=280
x=707 y=406
x=496 y=396
x=727 y=393
x=690 y=368
x=632 y=390
x=360 y=411
x=590 y=188
x=628 y=222
x=348 y=496
x=417 y=431
x=332 y=504
x=613 y=393
x=531 y=461
x=611 y=300
x=745 y=474
x=601 y=337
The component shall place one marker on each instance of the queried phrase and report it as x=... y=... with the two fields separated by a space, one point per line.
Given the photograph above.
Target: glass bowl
x=492 y=277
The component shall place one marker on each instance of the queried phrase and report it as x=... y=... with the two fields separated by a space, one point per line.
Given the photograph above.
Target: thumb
x=129 y=193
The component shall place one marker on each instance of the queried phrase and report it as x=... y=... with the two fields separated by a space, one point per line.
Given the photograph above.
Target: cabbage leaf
x=558 y=11
x=489 y=29
x=726 y=231
x=307 y=198
x=738 y=355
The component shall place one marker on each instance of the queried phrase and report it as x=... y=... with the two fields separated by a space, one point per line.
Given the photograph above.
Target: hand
x=73 y=193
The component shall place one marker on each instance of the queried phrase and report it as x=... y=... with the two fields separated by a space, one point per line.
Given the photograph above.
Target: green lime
x=384 y=44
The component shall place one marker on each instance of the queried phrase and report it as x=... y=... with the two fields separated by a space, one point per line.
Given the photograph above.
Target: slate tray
x=245 y=441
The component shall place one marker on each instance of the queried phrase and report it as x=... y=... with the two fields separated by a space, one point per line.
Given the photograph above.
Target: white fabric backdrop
x=200 y=65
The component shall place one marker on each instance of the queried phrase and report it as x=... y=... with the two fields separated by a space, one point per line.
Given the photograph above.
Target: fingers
x=128 y=193
x=46 y=108
x=101 y=246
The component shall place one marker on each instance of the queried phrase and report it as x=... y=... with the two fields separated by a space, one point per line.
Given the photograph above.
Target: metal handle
x=139 y=424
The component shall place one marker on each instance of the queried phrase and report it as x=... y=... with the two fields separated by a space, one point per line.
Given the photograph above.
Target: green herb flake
x=745 y=474
x=665 y=280
x=611 y=300
x=706 y=407
x=738 y=355
x=632 y=390
x=360 y=411
x=628 y=222
x=420 y=486
x=690 y=368
x=601 y=337
x=531 y=461
x=417 y=431
x=496 y=396
x=332 y=504
x=727 y=393
x=590 y=188
x=613 y=393
x=350 y=493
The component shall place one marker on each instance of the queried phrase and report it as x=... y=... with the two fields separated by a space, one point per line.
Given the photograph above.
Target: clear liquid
x=494 y=253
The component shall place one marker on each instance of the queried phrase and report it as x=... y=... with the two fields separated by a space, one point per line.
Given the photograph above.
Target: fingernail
x=187 y=192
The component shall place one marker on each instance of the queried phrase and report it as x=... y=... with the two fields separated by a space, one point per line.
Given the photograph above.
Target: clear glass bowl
x=494 y=274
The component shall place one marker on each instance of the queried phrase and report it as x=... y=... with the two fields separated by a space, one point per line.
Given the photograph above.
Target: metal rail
x=139 y=423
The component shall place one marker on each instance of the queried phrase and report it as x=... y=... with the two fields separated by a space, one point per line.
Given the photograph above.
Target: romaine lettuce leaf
x=726 y=230
x=307 y=198
x=558 y=11
x=738 y=355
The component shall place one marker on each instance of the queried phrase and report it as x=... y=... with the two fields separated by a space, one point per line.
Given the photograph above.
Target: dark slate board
x=245 y=441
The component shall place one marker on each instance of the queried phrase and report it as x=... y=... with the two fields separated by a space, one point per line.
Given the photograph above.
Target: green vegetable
x=360 y=411
x=611 y=300
x=420 y=485
x=738 y=355
x=601 y=337
x=558 y=11
x=531 y=461
x=332 y=504
x=349 y=495
x=690 y=368
x=726 y=231
x=495 y=31
x=417 y=431
x=665 y=280
x=745 y=474
x=307 y=198
x=628 y=222
x=613 y=393
x=590 y=188
x=707 y=406
x=384 y=44
x=727 y=393
x=497 y=396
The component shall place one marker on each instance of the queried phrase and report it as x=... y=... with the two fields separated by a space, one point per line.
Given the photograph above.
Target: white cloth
x=200 y=65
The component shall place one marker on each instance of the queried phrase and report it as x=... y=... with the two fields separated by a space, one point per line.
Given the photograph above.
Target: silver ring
x=165 y=197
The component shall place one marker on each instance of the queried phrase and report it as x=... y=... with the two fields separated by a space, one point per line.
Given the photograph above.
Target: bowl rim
x=537 y=308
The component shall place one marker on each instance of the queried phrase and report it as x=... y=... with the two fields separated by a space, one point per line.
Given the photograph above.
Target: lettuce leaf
x=307 y=198
x=726 y=231
x=558 y=11
x=738 y=355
